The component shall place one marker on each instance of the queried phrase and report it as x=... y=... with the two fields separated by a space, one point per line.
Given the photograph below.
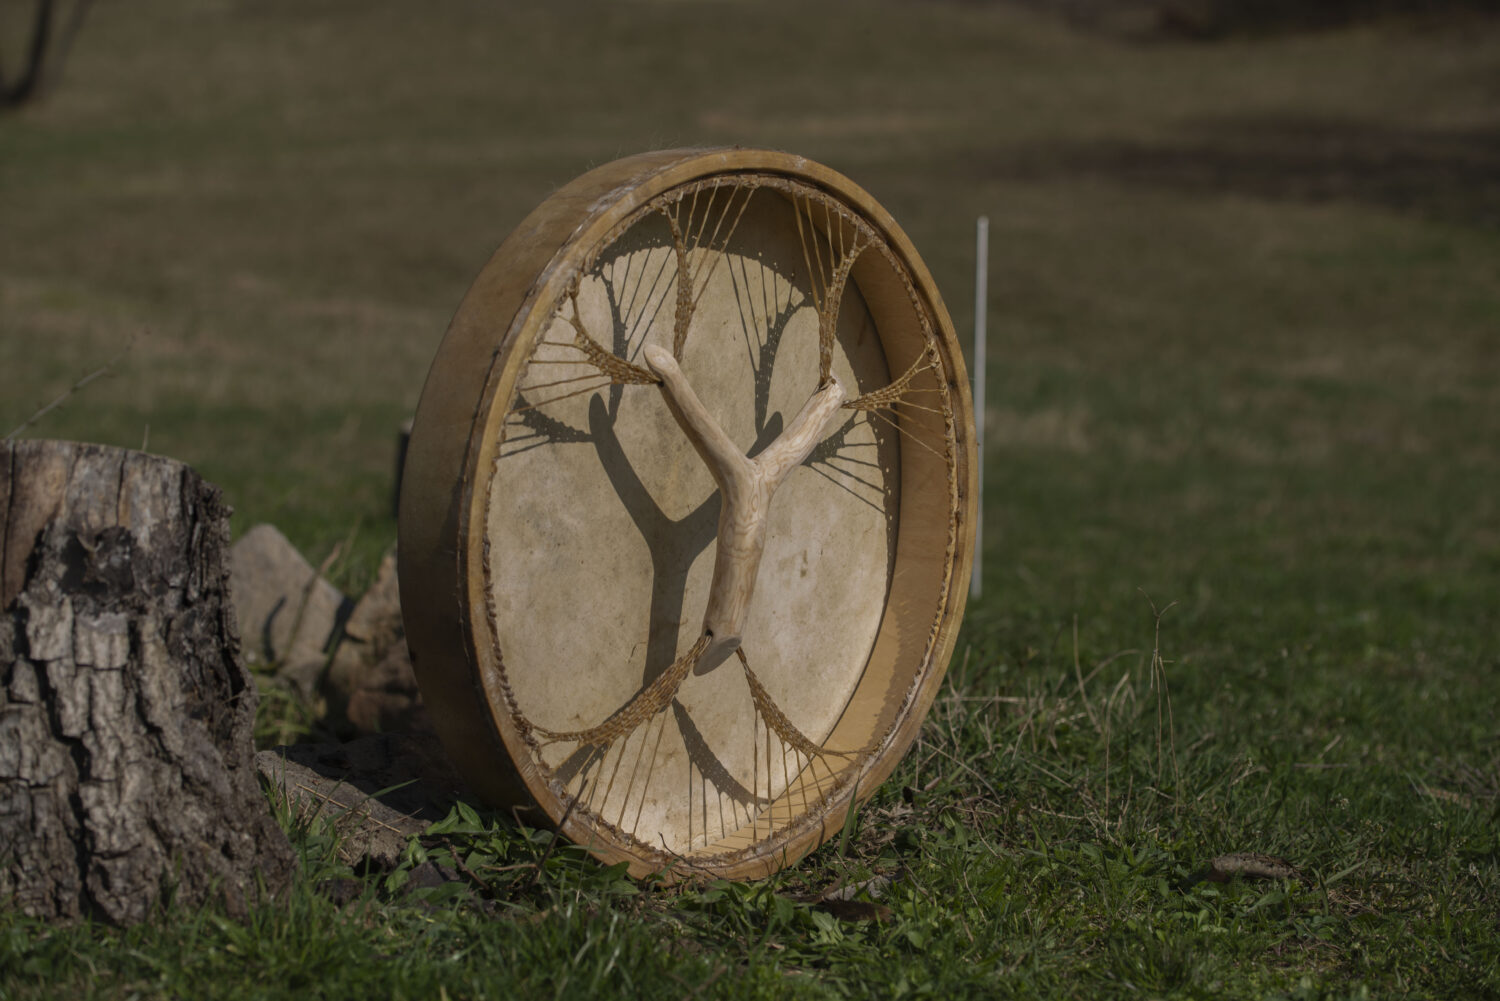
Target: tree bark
x=127 y=773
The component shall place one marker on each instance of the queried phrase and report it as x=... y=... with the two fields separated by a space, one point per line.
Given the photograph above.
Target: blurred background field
x=1244 y=349
x=1274 y=256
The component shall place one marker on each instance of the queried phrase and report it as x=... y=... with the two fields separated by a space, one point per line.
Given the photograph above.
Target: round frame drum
x=688 y=510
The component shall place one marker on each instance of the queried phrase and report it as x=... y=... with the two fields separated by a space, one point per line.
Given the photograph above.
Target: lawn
x=1242 y=539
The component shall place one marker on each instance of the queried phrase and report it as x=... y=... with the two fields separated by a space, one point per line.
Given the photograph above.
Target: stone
x=371 y=687
x=289 y=616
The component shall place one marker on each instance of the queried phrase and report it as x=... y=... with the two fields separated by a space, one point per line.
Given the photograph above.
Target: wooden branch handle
x=723 y=458
x=746 y=486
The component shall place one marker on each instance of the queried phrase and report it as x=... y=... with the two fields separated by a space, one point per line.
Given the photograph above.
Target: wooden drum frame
x=688 y=511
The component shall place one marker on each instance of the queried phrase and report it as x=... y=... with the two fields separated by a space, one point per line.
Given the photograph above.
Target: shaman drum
x=688 y=510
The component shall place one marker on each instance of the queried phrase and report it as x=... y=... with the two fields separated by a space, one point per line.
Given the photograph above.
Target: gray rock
x=289 y=616
x=371 y=687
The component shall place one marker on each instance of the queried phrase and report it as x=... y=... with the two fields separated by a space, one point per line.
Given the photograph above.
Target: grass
x=1242 y=465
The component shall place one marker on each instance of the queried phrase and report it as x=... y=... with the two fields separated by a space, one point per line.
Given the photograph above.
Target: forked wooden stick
x=746 y=486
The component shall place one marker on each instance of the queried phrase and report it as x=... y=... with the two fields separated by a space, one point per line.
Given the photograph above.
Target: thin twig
x=63 y=398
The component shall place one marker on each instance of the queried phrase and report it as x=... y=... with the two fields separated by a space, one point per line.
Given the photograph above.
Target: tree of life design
x=791 y=390
x=688 y=490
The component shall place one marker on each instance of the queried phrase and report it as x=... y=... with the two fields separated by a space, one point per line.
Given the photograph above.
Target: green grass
x=1245 y=351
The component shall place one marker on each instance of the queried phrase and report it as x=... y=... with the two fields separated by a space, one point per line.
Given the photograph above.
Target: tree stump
x=127 y=771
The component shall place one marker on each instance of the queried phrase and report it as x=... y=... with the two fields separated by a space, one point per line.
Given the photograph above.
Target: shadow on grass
x=1449 y=175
